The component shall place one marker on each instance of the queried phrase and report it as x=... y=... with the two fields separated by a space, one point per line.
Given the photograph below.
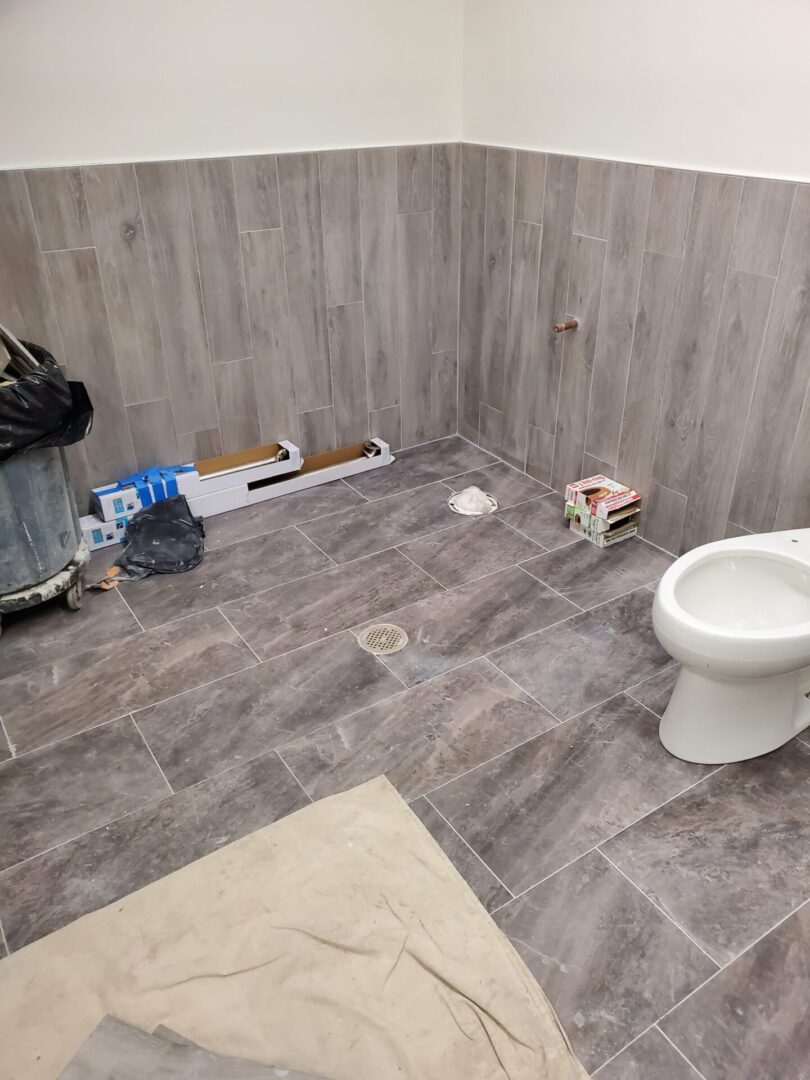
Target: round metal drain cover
x=383 y=638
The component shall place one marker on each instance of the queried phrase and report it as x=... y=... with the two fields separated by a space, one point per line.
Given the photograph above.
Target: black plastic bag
x=164 y=538
x=42 y=409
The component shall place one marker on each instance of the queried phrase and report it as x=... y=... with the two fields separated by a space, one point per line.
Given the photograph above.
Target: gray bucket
x=39 y=529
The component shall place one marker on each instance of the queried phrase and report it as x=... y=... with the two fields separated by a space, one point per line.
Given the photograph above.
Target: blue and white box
x=133 y=493
x=100 y=534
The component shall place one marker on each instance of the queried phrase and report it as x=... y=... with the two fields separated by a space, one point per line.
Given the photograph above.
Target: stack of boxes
x=602 y=510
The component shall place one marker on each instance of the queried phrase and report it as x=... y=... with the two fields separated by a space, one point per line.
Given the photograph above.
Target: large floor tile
x=422 y=738
x=732 y=857
x=588 y=575
x=542 y=520
x=226 y=574
x=452 y=627
x=275 y=514
x=100 y=867
x=507 y=485
x=205 y=731
x=383 y=524
x=490 y=892
x=69 y=695
x=49 y=631
x=61 y=791
x=584 y=660
x=469 y=550
x=752 y=1022
x=656 y=692
x=422 y=465
x=609 y=962
x=532 y=810
x=304 y=611
x=650 y=1057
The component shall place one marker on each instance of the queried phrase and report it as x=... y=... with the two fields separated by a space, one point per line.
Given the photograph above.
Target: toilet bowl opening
x=746 y=591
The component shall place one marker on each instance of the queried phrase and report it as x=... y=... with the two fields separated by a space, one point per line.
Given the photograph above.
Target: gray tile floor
x=662 y=905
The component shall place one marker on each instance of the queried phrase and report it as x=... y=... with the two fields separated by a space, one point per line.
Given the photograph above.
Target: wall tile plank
x=216 y=234
x=473 y=177
x=306 y=287
x=385 y=424
x=378 y=222
x=499 y=217
x=490 y=428
x=236 y=401
x=761 y=226
x=629 y=209
x=256 y=185
x=263 y=254
x=443 y=394
x=413 y=287
x=340 y=208
x=518 y=374
x=153 y=436
x=471 y=303
x=115 y=213
x=414 y=178
x=198 y=445
x=317 y=430
x=530 y=184
x=445 y=246
x=540 y=454
x=592 y=207
x=173 y=261
x=60 y=208
x=348 y=360
x=670 y=207
x=662 y=518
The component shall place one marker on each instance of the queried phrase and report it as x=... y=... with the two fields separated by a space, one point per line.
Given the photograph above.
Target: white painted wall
x=710 y=84
x=126 y=80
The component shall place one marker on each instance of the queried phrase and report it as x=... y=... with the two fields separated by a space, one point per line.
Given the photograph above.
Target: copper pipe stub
x=569 y=324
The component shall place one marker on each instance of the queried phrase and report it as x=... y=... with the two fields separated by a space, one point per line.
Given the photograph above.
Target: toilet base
x=713 y=721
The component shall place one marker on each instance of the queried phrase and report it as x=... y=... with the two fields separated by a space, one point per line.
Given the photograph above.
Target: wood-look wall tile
x=340 y=209
x=761 y=226
x=236 y=401
x=414 y=178
x=378 y=226
x=348 y=359
x=662 y=517
x=473 y=177
x=584 y=289
x=317 y=430
x=592 y=207
x=793 y=510
x=530 y=183
x=60 y=208
x=173 y=260
x=539 y=454
x=198 y=445
x=153 y=436
x=265 y=283
x=593 y=466
x=629 y=209
x=413 y=287
x=445 y=247
x=303 y=254
x=518 y=372
x=471 y=302
x=499 y=221
x=216 y=232
x=552 y=294
x=734 y=530
x=694 y=325
x=639 y=426
x=25 y=296
x=670 y=207
x=743 y=317
x=490 y=428
x=781 y=381
x=90 y=356
x=256 y=185
x=443 y=394
x=385 y=424
x=114 y=207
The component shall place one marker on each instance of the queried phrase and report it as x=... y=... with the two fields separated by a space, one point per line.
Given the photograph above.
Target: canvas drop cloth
x=339 y=941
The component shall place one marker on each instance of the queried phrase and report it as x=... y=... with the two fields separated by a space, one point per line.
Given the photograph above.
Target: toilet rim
x=669 y=605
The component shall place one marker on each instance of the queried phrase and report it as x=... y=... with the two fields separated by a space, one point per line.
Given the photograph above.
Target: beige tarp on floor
x=339 y=940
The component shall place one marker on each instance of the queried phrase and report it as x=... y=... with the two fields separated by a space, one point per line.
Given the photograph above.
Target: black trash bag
x=42 y=409
x=164 y=538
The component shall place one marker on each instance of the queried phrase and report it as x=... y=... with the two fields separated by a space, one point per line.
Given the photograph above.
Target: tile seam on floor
x=678 y=1050
x=637 y=888
x=4 y=939
x=241 y=637
x=129 y=609
x=509 y=678
x=12 y=749
x=436 y=480
x=311 y=541
x=307 y=795
x=416 y=564
x=152 y=755
x=644 y=682
x=525 y=536
x=474 y=853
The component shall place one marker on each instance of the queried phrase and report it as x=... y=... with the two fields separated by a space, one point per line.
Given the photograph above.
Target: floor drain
x=383 y=638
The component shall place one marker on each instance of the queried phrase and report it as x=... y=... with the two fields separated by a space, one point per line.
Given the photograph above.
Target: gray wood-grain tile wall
x=215 y=304
x=688 y=377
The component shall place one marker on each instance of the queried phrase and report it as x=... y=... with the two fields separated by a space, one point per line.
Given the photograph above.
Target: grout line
x=678 y=1050
x=626 y=1046
x=311 y=541
x=509 y=678
x=4 y=939
x=467 y=846
x=152 y=755
x=656 y=905
x=11 y=747
x=241 y=638
x=59 y=251
x=277 y=753
x=117 y=590
x=416 y=564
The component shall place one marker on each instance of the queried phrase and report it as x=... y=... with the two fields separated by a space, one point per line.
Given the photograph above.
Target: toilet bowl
x=736 y=614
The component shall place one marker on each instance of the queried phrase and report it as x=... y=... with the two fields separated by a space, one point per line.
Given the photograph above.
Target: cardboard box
x=100 y=534
x=605 y=539
x=600 y=496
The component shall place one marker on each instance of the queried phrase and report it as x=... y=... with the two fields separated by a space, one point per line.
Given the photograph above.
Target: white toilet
x=736 y=614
